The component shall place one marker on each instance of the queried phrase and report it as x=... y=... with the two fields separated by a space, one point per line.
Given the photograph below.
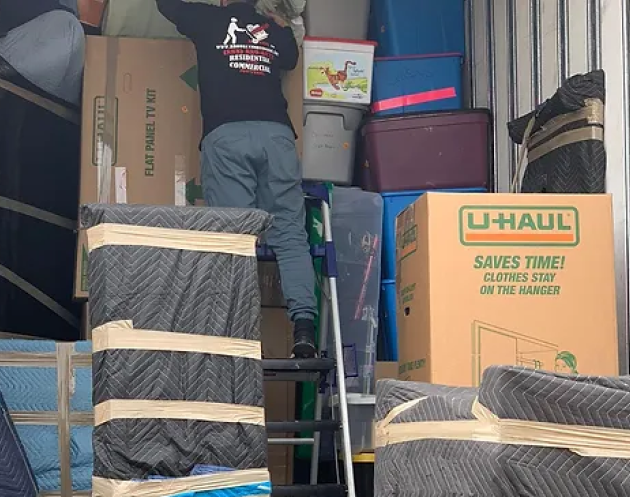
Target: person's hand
x=277 y=19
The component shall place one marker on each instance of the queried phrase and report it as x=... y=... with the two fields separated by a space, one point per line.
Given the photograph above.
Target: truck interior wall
x=519 y=52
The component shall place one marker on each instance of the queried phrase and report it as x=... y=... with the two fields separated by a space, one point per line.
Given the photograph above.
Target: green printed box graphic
x=518 y=226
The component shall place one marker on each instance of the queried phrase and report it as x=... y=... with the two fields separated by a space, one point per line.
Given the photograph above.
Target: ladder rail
x=341 y=370
x=319 y=397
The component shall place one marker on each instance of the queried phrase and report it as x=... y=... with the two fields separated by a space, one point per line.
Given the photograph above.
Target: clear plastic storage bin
x=357 y=230
x=361 y=409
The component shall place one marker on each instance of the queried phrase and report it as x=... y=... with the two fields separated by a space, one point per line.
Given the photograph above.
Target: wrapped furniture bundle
x=523 y=432
x=141 y=18
x=564 y=139
x=177 y=376
x=47 y=388
x=16 y=475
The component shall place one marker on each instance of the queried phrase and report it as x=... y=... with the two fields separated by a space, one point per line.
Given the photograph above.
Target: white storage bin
x=338 y=18
x=338 y=70
x=329 y=137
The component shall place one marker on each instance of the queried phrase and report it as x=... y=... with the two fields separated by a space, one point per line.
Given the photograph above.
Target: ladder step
x=327 y=490
x=300 y=426
x=296 y=369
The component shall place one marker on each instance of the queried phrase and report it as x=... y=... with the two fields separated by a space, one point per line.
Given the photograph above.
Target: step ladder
x=317 y=370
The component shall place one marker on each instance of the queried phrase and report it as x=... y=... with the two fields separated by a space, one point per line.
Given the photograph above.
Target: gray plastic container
x=347 y=19
x=330 y=135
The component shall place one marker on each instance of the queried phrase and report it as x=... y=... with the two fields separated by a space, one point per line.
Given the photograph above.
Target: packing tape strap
x=45 y=103
x=118 y=335
x=588 y=441
x=102 y=487
x=176 y=239
x=106 y=140
x=594 y=132
x=50 y=418
x=176 y=409
x=40 y=359
x=414 y=99
x=592 y=113
x=64 y=379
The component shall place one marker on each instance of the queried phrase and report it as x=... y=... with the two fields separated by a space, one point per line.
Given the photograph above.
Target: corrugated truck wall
x=520 y=51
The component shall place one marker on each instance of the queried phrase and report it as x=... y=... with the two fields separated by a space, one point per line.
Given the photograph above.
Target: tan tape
x=176 y=409
x=102 y=487
x=122 y=335
x=40 y=296
x=64 y=378
x=564 y=139
x=586 y=441
x=107 y=151
x=198 y=241
x=50 y=418
x=592 y=113
x=43 y=102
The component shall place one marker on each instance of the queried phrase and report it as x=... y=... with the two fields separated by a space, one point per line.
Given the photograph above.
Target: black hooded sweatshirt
x=241 y=56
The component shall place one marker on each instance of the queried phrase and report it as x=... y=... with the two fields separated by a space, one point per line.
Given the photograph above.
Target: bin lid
x=355 y=399
x=342 y=40
x=438 y=118
x=419 y=56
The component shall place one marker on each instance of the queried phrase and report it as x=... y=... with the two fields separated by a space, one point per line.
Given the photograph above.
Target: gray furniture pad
x=441 y=468
x=212 y=294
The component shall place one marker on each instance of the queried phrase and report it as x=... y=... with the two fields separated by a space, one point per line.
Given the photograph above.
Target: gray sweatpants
x=255 y=165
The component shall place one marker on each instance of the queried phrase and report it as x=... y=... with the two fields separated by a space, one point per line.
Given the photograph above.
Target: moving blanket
x=47 y=52
x=530 y=428
x=16 y=475
x=175 y=306
x=564 y=139
x=39 y=190
x=141 y=18
x=30 y=384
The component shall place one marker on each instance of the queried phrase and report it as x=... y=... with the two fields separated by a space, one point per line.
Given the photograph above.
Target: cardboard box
x=279 y=395
x=485 y=279
x=386 y=370
x=91 y=12
x=141 y=116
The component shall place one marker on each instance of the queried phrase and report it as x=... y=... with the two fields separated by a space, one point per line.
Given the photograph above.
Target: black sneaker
x=304 y=339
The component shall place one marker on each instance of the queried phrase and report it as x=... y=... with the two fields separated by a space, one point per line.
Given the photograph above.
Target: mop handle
x=366 y=277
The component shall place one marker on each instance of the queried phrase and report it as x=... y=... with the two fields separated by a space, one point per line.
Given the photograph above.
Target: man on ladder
x=249 y=158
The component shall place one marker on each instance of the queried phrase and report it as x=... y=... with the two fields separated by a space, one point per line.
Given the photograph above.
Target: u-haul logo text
x=519 y=225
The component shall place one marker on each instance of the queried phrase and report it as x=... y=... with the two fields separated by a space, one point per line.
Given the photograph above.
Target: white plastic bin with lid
x=338 y=71
x=361 y=410
x=329 y=141
x=347 y=19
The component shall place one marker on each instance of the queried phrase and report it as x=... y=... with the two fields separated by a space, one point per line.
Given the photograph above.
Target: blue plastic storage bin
x=409 y=27
x=388 y=319
x=394 y=204
x=417 y=83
